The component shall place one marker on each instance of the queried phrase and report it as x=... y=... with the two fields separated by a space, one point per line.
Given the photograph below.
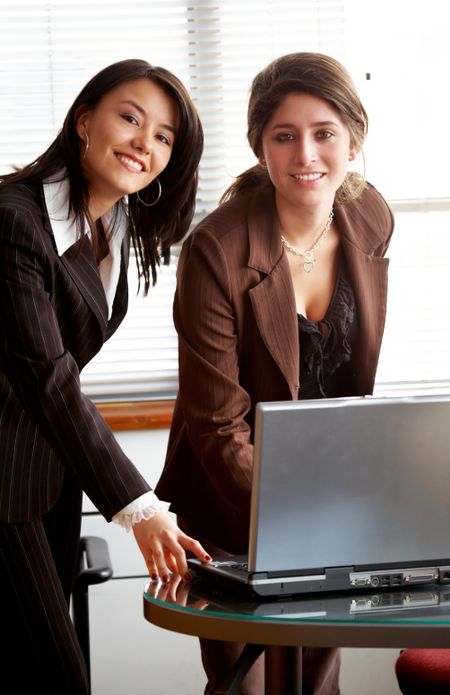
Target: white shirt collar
x=56 y=194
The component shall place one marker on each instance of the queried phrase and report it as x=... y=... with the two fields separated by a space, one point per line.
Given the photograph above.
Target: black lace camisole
x=326 y=345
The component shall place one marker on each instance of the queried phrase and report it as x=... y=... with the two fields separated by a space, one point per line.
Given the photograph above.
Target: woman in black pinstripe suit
x=123 y=168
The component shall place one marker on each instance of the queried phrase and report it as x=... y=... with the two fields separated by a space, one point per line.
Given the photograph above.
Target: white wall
x=128 y=654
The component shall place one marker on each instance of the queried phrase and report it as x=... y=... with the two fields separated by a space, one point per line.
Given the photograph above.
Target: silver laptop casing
x=348 y=493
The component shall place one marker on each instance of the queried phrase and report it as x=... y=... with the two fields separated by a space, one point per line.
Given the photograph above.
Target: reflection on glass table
x=431 y=602
x=417 y=617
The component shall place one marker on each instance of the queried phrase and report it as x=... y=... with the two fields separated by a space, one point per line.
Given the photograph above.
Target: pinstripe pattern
x=40 y=628
x=236 y=318
x=53 y=321
x=36 y=575
x=53 y=441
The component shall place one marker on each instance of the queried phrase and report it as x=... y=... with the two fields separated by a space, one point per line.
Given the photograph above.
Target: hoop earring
x=149 y=205
x=86 y=147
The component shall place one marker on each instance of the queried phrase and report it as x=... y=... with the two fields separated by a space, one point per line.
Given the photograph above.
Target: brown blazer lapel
x=273 y=300
x=368 y=276
x=365 y=227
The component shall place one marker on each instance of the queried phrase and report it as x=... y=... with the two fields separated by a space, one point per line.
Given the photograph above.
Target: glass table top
x=426 y=604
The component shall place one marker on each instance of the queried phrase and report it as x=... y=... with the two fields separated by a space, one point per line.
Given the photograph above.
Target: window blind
x=48 y=50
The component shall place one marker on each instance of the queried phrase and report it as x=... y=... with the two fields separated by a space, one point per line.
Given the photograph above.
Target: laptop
x=347 y=494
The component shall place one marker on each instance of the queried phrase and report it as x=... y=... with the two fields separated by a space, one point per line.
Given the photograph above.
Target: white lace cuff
x=143 y=507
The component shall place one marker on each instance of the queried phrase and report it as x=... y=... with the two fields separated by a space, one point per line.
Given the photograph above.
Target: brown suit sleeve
x=214 y=403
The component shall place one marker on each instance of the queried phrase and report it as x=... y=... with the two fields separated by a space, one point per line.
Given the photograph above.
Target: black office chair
x=94 y=568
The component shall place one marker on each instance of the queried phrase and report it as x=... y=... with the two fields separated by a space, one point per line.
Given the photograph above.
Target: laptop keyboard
x=240 y=566
x=232 y=564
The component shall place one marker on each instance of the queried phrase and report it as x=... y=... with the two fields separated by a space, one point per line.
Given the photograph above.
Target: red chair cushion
x=424 y=671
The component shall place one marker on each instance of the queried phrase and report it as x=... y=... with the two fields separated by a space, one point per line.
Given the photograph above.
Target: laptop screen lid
x=353 y=482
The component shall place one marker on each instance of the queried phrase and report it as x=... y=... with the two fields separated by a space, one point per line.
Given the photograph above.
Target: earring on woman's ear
x=86 y=146
x=149 y=205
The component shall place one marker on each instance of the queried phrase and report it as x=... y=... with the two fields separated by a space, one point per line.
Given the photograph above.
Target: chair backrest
x=94 y=567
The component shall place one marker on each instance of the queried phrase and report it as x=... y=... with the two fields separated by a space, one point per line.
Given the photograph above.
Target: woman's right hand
x=163 y=546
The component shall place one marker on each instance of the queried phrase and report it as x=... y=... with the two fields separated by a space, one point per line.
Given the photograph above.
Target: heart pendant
x=308 y=266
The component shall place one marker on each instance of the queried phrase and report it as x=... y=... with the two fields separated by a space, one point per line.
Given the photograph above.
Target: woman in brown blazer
x=281 y=295
x=123 y=168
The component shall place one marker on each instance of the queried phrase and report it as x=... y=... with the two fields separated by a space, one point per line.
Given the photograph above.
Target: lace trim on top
x=324 y=345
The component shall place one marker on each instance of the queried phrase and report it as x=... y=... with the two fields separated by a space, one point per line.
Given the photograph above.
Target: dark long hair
x=307 y=73
x=153 y=230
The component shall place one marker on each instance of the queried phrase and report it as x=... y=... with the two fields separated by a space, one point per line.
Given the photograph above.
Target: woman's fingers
x=159 y=560
x=163 y=546
x=177 y=544
x=195 y=547
x=170 y=561
x=152 y=570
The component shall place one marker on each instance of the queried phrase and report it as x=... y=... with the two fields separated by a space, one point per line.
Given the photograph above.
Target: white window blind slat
x=141 y=359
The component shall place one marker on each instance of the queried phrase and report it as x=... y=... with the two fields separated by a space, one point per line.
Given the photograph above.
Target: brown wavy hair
x=302 y=73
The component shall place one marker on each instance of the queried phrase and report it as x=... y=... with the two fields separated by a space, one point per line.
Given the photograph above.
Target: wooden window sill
x=139 y=415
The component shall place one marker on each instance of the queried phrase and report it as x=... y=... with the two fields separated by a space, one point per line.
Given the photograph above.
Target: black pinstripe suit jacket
x=53 y=320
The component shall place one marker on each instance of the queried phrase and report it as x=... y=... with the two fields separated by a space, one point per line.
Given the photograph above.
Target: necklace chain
x=310 y=260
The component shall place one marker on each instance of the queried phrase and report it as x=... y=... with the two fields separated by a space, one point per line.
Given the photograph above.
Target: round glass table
x=417 y=617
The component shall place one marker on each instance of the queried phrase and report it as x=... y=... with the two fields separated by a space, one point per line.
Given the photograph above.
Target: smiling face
x=306 y=149
x=131 y=135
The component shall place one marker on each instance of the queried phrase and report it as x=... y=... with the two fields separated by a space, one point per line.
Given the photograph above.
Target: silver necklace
x=310 y=260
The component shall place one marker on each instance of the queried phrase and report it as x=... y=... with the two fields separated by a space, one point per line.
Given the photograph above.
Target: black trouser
x=38 y=562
